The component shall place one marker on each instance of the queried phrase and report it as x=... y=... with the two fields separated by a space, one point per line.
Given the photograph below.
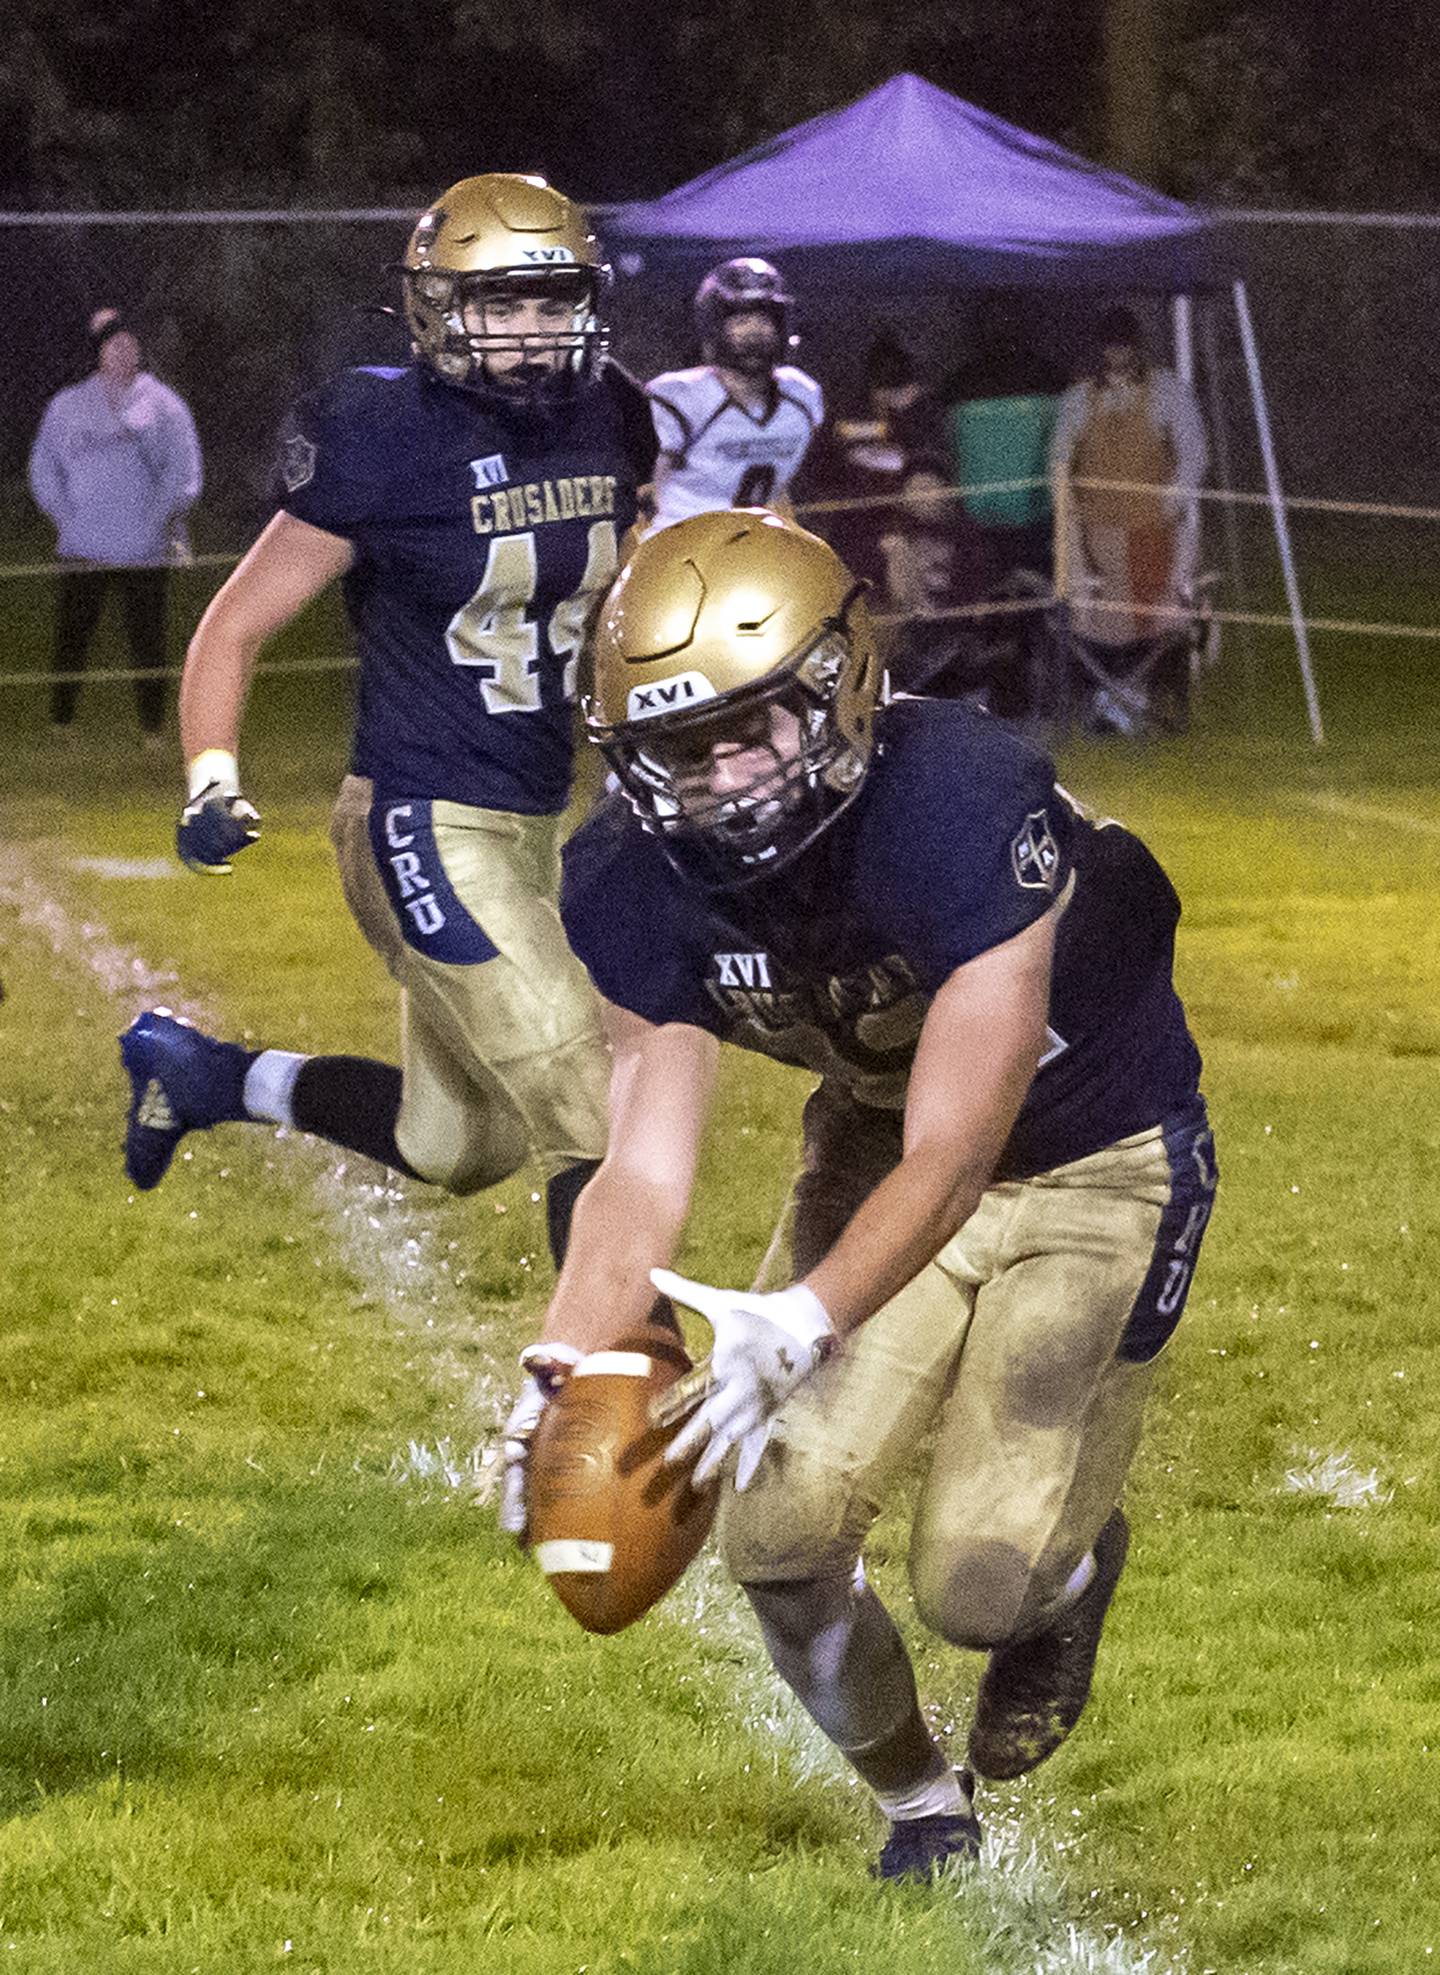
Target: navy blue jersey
x=483 y=538
x=958 y=839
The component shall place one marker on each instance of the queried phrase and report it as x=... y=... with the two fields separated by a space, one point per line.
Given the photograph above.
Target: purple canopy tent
x=936 y=182
x=912 y=185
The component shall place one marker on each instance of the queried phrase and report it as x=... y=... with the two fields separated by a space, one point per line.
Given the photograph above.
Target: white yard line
x=1370 y=812
x=128 y=867
x=1025 y=1899
x=379 y=1236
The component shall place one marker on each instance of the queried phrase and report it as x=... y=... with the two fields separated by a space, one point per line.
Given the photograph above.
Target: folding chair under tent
x=910 y=185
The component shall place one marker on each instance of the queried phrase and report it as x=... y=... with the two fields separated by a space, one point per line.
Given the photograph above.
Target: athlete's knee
x=797 y=1521
x=972 y=1593
x=468 y=1161
x=563 y=1095
x=468 y=1175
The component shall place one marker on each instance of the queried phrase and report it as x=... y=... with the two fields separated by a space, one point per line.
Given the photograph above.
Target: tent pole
x=1183 y=332
x=1277 y=509
x=1060 y=497
x=1225 y=481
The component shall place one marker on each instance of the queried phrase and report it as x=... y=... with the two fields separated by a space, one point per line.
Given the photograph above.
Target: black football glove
x=213 y=828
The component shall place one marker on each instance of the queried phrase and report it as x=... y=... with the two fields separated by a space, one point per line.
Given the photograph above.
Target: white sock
x=1075 y=1586
x=1078 y=1582
x=941 y=1796
x=270 y=1084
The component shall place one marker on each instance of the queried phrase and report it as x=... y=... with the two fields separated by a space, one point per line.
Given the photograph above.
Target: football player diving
x=470 y=503
x=734 y=429
x=1007 y=1168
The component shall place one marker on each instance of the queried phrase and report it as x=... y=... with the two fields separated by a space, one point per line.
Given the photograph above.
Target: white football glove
x=547 y=1366
x=765 y=1345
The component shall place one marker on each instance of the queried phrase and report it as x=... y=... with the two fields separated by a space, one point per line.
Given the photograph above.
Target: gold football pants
x=502 y=1053
x=1026 y=1348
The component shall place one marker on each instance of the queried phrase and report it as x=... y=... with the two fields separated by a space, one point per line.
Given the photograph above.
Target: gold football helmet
x=512 y=235
x=735 y=680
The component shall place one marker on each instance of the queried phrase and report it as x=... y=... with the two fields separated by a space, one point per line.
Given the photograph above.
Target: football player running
x=734 y=430
x=470 y=502
x=1007 y=1166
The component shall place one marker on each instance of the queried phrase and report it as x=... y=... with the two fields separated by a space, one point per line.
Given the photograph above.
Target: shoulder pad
x=365 y=392
x=623 y=383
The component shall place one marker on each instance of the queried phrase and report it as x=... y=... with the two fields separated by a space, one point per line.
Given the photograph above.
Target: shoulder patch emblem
x=297 y=462
x=1034 y=854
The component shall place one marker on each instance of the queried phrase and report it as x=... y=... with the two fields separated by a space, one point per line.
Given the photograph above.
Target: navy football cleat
x=1034 y=1691
x=181 y=1080
x=917 y=1847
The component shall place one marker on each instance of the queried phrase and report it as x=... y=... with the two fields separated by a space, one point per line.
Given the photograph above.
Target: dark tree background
x=154 y=105
x=146 y=103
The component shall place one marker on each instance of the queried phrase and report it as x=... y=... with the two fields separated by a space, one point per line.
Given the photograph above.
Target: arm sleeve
x=620 y=929
x=637 y=424
x=976 y=864
x=672 y=428
x=184 y=473
x=47 y=474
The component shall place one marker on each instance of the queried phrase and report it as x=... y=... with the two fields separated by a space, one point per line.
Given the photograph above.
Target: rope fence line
x=857 y=503
x=852 y=503
x=405 y=216
x=233 y=216
x=955 y=613
x=218 y=559
x=1042 y=599
x=1299 y=503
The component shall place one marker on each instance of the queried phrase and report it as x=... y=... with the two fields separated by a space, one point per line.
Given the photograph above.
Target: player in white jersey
x=734 y=429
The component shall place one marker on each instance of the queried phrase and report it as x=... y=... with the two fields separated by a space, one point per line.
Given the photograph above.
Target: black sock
x=354 y=1102
x=562 y=1190
x=561 y=1193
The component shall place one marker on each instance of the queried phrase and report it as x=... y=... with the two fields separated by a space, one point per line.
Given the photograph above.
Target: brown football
x=611 y=1526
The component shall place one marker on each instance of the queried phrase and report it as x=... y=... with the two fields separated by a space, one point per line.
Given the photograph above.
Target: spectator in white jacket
x=116 y=466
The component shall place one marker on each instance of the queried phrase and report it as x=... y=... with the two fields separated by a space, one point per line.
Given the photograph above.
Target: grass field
x=274 y=1693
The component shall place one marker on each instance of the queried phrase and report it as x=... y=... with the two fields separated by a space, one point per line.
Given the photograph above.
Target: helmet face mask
x=799 y=771
x=736 y=779
x=466 y=347
x=750 y=353
x=504 y=291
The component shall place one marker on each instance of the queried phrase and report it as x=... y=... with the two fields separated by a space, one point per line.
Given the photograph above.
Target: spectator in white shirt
x=116 y=466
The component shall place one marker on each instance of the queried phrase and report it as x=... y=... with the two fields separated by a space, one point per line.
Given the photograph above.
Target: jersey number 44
x=498 y=633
